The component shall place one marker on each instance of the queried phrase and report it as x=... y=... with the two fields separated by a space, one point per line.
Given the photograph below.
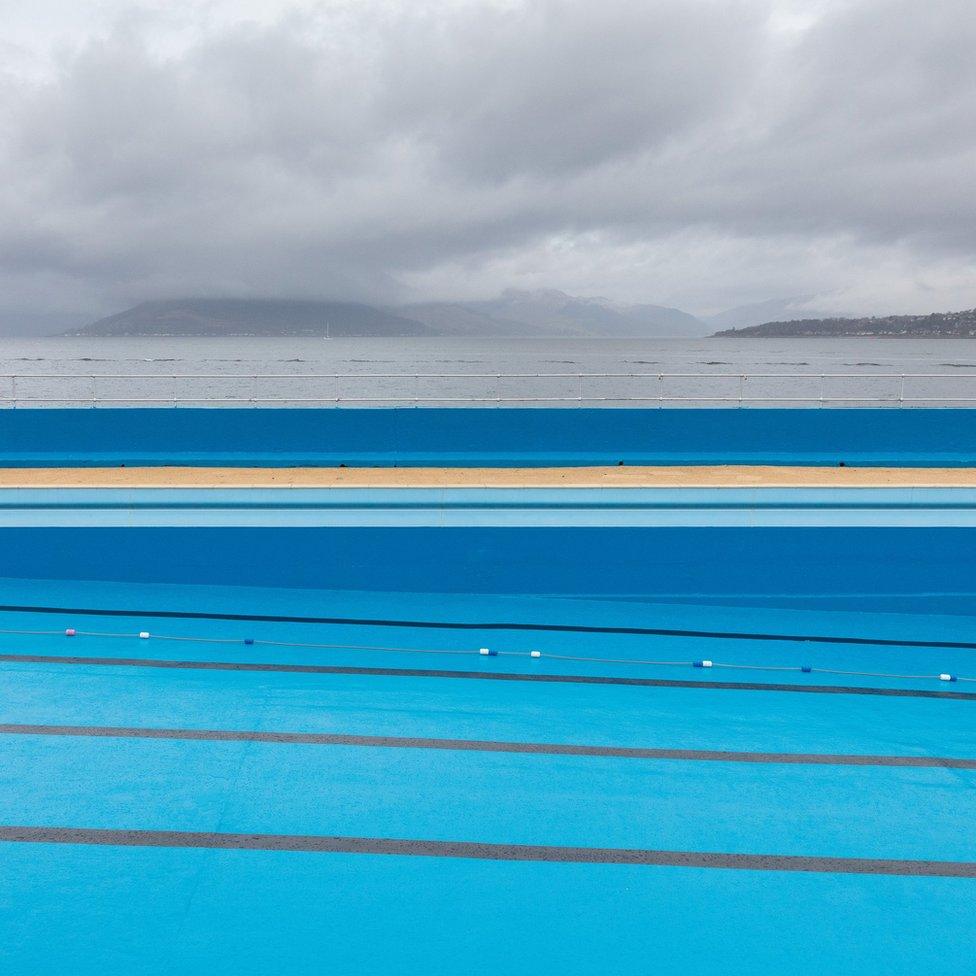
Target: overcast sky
x=685 y=152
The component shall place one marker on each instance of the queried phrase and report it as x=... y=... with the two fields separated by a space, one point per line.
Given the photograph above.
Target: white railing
x=336 y=389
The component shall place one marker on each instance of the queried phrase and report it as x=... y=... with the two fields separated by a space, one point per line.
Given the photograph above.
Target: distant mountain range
x=514 y=313
x=253 y=317
x=939 y=323
x=551 y=312
x=540 y=313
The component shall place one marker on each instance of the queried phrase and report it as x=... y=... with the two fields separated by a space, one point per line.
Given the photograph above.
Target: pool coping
x=622 y=476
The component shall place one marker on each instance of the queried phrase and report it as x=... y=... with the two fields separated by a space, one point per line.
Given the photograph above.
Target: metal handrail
x=582 y=379
x=495 y=375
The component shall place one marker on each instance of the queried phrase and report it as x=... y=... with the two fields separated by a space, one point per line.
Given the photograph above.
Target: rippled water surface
x=627 y=372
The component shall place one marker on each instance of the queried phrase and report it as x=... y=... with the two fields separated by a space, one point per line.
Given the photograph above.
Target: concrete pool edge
x=583 y=476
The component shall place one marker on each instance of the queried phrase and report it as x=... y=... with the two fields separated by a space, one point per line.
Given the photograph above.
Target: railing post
x=337 y=397
x=94 y=402
x=580 y=396
x=901 y=392
x=13 y=390
x=660 y=390
x=742 y=379
x=823 y=380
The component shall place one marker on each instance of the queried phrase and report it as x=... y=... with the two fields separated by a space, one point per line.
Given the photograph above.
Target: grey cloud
x=338 y=151
x=875 y=133
x=556 y=88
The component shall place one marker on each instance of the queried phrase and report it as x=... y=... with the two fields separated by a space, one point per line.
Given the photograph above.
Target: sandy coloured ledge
x=612 y=477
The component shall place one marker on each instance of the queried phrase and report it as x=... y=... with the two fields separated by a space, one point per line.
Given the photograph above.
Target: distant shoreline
x=950 y=324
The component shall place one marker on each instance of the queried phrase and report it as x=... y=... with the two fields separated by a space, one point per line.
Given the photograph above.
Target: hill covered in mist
x=253 y=317
x=513 y=313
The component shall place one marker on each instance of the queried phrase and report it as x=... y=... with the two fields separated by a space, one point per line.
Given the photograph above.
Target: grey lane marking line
x=487 y=676
x=315 y=844
x=479 y=745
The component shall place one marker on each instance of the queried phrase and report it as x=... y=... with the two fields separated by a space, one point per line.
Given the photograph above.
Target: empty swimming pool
x=439 y=722
x=436 y=731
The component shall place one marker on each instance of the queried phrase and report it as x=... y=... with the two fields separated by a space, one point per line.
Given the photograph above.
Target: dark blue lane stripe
x=489 y=625
x=315 y=844
x=579 y=679
x=481 y=745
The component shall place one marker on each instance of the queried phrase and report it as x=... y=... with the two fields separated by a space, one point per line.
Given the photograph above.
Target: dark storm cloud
x=337 y=150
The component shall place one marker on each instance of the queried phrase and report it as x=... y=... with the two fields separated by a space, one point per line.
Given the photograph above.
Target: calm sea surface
x=304 y=371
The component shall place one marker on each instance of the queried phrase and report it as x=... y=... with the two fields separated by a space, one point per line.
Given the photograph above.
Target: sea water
x=856 y=371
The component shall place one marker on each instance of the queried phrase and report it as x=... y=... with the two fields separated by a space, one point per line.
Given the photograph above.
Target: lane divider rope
x=704 y=663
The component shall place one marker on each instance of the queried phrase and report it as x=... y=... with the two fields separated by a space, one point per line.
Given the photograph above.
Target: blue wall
x=866 y=568
x=413 y=436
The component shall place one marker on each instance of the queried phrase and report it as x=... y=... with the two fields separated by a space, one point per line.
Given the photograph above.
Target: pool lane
x=607 y=715
x=621 y=643
x=506 y=676
x=492 y=798
x=487 y=745
x=76 y=900
x=98 y=910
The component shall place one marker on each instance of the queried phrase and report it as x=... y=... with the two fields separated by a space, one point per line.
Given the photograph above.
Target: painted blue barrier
x=893 y=569
x=485 y=437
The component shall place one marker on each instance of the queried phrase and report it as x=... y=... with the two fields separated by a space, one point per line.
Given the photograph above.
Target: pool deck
x=677 y=476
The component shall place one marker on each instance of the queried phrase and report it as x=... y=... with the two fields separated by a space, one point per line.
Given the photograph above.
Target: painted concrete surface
x=160 y=911
x=567 y=508
x=355 y=629
x=383 y=618
x=440 y=795
x=414 y=437
x=873 y=567
x=68 y=907
x=618 y=476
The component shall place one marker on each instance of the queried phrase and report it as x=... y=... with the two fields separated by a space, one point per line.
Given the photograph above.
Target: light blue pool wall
x=494 y=436
x=866 y=568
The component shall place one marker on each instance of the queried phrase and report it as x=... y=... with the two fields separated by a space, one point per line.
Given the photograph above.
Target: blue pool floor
x=68 y=761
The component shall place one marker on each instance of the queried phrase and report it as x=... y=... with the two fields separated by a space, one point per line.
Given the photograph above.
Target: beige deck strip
x=740 y=476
